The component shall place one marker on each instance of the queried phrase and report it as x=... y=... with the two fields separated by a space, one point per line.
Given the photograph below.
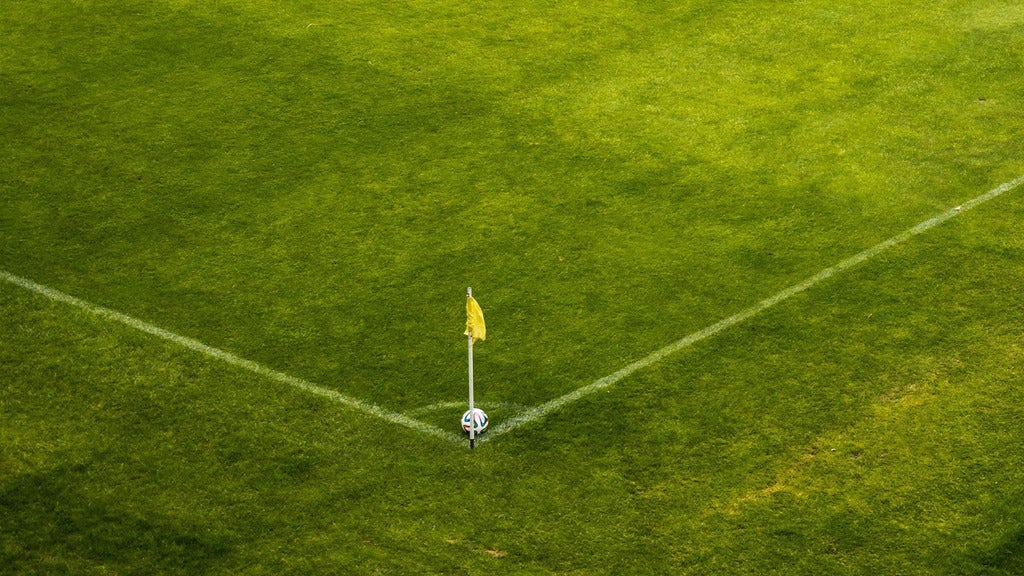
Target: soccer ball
x=479 y=421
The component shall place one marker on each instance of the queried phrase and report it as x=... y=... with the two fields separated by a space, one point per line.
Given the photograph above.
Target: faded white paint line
x=538 y=412
x=210 y=351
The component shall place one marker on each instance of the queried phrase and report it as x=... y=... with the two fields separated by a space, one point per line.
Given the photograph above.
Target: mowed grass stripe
x=531 y=414
x=210 y=351
x=543 y=410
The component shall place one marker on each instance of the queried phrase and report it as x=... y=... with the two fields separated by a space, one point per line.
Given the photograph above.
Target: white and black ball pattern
x=479 y=421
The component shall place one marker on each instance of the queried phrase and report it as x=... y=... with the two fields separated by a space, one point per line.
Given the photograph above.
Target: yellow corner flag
x=475 y=320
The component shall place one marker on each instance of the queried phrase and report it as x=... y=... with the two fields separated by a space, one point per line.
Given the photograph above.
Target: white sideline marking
x=538 y=412
x=371 y=409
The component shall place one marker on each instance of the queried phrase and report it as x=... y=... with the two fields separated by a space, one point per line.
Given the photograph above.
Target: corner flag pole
x=469 y=336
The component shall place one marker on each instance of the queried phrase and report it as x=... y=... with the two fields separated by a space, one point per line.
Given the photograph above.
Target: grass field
x=307 y=189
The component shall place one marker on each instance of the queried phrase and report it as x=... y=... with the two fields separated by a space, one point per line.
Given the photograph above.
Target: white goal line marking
x=543 y=410
x=210 y=351
x=537 y=412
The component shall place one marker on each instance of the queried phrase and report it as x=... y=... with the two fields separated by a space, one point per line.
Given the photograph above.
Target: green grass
x=313 y=185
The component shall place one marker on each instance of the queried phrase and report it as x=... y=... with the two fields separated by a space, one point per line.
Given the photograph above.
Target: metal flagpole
x=472 y=427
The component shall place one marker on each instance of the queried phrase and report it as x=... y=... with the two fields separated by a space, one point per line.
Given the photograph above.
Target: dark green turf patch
x=52 y=525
